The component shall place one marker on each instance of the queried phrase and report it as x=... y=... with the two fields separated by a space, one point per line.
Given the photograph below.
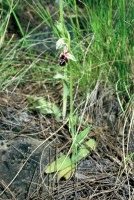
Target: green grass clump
x=101 y=40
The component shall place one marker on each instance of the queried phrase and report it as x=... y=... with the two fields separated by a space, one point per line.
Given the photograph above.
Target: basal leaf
x=66 y=173
x=80 y=137
x=91 y=144
x=43 y=106
x=84 y=150
x=60 y=164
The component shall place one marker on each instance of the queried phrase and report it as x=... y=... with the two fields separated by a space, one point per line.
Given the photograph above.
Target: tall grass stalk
x=65 y=95
x=4 y=24
x=123 y=69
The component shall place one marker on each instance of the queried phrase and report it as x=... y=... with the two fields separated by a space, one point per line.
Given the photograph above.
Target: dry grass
x=108 y=173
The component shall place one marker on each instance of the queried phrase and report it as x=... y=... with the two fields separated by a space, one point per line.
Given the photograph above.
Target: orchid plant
x=64 y=57
x=65 y=165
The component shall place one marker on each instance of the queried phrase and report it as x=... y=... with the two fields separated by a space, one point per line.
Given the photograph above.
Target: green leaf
x=66 y=89
x=65 y=84
x=80 y=137
x=66 y=173
x=44 y=107
x=82 y=153
x=91 y=144
x=84 y=150
x=60 y=164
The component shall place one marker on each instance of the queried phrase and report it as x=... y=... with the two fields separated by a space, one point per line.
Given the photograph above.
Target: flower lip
x=64 y=56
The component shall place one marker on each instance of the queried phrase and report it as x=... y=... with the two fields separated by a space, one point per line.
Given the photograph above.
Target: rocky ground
x=30 y=140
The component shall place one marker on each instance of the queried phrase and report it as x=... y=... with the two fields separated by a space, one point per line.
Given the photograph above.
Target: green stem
x=71 y=104
x=65 y=94
x=65 y=68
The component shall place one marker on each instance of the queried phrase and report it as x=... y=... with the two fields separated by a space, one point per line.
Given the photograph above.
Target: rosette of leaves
x=64 y=166
x=44 y=107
